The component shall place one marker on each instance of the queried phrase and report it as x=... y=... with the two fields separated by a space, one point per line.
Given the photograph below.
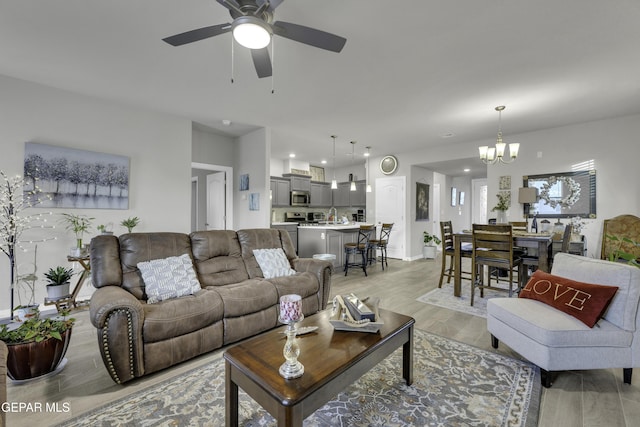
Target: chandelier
x=494 y=154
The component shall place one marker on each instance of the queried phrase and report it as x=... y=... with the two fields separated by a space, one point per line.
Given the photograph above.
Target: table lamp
x=526 y=196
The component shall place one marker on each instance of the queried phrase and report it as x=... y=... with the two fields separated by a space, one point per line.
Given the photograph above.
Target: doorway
x=390 y=208
x=215 y=199
x=479 y=201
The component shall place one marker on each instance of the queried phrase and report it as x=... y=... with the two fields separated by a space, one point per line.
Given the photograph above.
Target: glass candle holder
x=290 y=314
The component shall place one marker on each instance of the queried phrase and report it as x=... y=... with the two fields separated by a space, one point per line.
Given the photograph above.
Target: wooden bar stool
x=361 y=246
x=381 y=243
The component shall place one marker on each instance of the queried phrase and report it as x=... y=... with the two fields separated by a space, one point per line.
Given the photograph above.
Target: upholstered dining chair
x=448 y=251
x=493 y=247
x=380 y=243
x=361 y=246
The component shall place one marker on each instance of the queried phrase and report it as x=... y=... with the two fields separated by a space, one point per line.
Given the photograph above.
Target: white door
x=435 y=211
x=479 y=201
x=194 y=203
x=390 y=207
x=216 y=201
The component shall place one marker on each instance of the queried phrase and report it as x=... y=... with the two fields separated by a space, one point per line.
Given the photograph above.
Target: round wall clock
x=388 y=164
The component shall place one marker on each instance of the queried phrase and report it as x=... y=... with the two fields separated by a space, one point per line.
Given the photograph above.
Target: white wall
x=158 y=145
x=252 y=157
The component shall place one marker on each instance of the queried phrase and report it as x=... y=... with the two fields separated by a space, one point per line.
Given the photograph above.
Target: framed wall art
x=422 y=202
x=73 y=178
x=461 y=198
x=454 y=196
x=244 y=182
x=505 y=182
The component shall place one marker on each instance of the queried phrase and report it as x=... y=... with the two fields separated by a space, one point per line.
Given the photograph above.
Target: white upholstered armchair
x=556 y=341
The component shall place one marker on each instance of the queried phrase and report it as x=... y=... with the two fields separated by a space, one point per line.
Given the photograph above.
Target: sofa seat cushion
x=553 y=328
x=179 y=316
x=247 y=297
x=303 y=284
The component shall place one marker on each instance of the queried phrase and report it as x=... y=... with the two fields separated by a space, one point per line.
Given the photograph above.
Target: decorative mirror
x=388 y=165
x=564 y=194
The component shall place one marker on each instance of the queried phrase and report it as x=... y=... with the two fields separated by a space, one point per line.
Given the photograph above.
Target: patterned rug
x=454 y=385
x=443 y=297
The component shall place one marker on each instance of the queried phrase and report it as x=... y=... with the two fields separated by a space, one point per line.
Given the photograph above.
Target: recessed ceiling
x=409 y=73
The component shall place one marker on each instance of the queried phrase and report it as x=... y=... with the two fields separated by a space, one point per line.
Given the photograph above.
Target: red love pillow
x=584 y=301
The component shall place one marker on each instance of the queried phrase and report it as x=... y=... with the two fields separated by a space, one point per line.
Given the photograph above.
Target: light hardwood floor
x=577 y=398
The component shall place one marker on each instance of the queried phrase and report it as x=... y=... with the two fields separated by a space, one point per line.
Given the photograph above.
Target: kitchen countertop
x=339 y=227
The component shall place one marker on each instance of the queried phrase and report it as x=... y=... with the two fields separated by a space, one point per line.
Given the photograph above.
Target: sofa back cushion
x=218 y=257
x=623 y=309
x=263 y=238
x=140 y=247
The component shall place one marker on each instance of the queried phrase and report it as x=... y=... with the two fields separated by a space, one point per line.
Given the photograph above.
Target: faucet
x=335 y=215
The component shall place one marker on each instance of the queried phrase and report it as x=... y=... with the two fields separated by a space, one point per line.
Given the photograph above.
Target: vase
x=34 y=359
x=576 y=237
x=502 y=217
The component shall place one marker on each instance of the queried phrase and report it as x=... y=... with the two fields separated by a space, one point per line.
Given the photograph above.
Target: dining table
x=521 y=239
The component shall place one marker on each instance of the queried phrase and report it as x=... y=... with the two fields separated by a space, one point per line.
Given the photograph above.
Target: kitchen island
x=327 y=239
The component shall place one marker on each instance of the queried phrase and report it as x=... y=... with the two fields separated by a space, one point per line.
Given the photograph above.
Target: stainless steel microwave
x=300 y=198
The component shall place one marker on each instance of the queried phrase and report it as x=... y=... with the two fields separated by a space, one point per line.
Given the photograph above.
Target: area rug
x=454 y=385
x=443 y=297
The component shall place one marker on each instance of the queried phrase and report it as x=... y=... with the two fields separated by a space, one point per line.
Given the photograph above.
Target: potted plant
x=37 y=346
x=79 y=224
x=504 y=202
x=58 y=281
x=130 y=223
x=430 y=242
x=620 y=254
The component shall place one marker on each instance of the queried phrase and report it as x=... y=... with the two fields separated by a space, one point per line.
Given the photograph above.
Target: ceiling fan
x=253 y=27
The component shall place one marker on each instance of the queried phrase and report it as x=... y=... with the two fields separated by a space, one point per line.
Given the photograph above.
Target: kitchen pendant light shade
x=353 y=186
x=369 y=190
x=334 y=184
x=368 y=156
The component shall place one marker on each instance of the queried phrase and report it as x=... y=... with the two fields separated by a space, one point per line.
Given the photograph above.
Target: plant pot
x=34 y=359
x=23 y=313
x=429 y=252
x=501 y=217
x=55 y=292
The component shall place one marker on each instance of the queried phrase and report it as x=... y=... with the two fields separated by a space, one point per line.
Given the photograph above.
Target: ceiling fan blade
x=309 y=36
x=262 y=62
x=196 y=35
x=226 y=3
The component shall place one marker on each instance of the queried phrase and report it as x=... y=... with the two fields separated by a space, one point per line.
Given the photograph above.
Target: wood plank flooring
x=577 y=398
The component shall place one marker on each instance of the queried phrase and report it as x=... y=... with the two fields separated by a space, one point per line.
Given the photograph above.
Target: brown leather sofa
x=136 y=338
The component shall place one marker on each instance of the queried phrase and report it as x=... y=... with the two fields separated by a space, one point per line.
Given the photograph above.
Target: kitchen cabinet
x=280 y=191
x=321 y=240
x=299 y=182
x=344 y=197
x=292 y=229
x=320 y=195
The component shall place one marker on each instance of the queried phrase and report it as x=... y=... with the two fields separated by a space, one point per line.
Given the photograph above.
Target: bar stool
x=448 y=251
x=381 y=243
x=361 y=246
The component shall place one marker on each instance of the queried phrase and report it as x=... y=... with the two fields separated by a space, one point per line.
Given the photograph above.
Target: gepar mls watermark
x=35 y=407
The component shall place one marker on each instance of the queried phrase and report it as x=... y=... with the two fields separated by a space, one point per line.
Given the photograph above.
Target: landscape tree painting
x=71 y=178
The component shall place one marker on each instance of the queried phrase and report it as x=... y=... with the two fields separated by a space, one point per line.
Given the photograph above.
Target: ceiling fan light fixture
x=251 y=32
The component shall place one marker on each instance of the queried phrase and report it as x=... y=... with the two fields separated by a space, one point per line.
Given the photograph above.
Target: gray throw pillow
x=168 y=278
x=273 y=263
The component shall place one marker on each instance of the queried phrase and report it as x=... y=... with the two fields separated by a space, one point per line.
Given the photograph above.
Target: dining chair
x=361 y=246
x=622 y=226
x=531 y=261
x=519 y=225
x=380 y=243
x=448 y=251
x=493 y=247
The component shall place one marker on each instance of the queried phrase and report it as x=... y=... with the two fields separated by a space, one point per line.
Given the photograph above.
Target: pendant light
x=353 y=156
x=368 y=156
x=334 y=183
x=491 y=155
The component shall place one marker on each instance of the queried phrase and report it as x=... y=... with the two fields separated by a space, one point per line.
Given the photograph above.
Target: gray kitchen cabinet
x=320 y=195
x=313 y=240
x=280 y=191
x=298 y=182
x=341 y=195
x=344 y=197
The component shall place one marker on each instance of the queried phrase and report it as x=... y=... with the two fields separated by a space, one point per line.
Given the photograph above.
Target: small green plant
x=102 y=228
x=130 y=223
x=504 y=201
x=58 y=276
x=618 y=253
x=79 y=224
x=429 y=238
x=36 y=330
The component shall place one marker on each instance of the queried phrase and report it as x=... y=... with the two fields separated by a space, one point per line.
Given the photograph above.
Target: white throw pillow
x=168 y=278
x=273 y=263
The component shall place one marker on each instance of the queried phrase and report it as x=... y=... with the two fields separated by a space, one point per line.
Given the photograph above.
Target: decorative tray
x=340 y=323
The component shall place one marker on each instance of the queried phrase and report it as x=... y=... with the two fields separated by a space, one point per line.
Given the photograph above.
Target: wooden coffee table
x=332 y=360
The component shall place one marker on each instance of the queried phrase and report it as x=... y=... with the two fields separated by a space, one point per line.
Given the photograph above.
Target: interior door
x=216 y=201
x=390 y=207
x=479 y=201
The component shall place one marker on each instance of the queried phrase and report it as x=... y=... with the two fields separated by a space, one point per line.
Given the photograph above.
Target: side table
x=69 y=301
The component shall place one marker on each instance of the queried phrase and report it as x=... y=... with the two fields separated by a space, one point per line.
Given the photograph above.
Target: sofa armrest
x=322 y=270
x=119 y=318
x=3 y=380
